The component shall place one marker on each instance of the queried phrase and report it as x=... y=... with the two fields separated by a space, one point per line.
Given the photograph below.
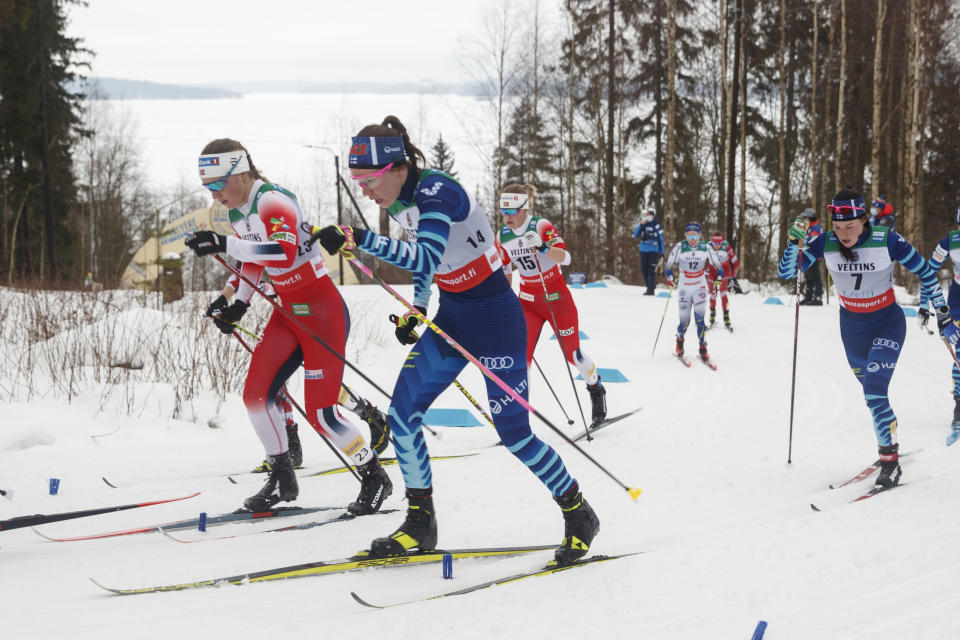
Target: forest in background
x=736 y=113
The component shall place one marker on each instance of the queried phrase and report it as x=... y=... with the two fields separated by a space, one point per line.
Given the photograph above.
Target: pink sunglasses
x=370 y=180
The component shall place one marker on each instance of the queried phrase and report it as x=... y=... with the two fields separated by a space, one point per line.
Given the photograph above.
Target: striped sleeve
x=792 y=256
x=904 y=253
x=940 y=253
x=420 y=257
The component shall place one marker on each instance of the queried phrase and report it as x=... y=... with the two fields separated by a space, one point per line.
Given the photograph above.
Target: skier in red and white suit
x=273 y=235
x=531 y=245
x=731 y=264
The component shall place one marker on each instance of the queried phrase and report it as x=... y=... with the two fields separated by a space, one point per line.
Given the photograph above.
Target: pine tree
x=443 y=158
x=39 y=118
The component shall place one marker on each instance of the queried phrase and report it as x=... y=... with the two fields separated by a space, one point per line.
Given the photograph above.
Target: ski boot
x=889 y=468
x=580 y=526
x=703 y=352
x=955 y=427
x=713 y=317
x=281 y=485
x=375 y=487
x=418 y=531
x=598 y=399
x=679 y=346
x=726 y=319
x=293 y=446
x=379 y=429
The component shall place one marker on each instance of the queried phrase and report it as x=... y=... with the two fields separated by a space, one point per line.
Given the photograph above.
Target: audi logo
x=500 y=362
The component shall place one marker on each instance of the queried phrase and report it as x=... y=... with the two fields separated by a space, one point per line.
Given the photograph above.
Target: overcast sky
x=185 y=41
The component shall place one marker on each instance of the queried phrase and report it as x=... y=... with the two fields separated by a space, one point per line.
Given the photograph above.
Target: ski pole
x=664 y=317
x=556 y=332
x=394 y=319
x=796 y=334
x=550 y=386
x=32 y=521
x=302 y=326
x=303 y=413
x=633 y=491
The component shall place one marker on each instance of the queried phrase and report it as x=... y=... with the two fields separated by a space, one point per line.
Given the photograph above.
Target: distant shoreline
x=121 y=89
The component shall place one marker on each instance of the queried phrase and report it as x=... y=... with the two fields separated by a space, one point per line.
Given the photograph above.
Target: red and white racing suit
x=273 y=235
x=731 y=264
x=542 y=291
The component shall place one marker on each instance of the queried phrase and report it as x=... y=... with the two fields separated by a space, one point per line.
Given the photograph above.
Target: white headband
x=217 y=165
x=513 y=201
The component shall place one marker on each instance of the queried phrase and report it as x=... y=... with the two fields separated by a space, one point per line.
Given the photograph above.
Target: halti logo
x=432 y=191
x=392 y=149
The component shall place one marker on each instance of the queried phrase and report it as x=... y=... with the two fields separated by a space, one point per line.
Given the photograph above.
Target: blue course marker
x=910 y=313
x=450 y=418
x=773 y=300
x=758 y=632
x=592 y=285
x=663 y=294
x=609 y=375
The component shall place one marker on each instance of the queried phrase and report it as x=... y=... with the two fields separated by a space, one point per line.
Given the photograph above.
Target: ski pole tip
x=634 y=492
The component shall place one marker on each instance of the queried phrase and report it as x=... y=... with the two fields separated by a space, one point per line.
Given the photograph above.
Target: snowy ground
x=724 y=523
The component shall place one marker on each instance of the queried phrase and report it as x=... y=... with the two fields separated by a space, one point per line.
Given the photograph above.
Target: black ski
x=596 y=426
x=212 y=521
x=551 y=567
x=333 y=566
x=343 y=517
x=31 y=521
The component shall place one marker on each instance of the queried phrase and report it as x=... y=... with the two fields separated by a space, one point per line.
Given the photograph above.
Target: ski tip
x=109 y=484
x=364 y=602
x=232 y=481
x=634 y=492
x=814 y=507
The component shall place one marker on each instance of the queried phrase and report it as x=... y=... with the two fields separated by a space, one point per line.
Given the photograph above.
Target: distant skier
x=881 y=213
x=532 y=246
x=692 y=257
x=860 y=258
x=813 y=285
x=449 y=242
x=720 y=284
x=948 y=247
x=273 y=235
x=651 y=248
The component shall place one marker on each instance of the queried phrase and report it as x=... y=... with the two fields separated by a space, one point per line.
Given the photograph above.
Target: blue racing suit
x=450 y=242
x=872 y=325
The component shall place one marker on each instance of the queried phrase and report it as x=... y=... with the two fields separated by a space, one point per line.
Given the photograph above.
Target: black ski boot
x=418 y=531
x=598 y=398
x=703 y=352
x=281 y=485
x=713 y=317
x=889 y=468
x=375 y=487
x=379 y=429
x=580 y=526
x=679 y=351
x=726 y=319
x=293 y=446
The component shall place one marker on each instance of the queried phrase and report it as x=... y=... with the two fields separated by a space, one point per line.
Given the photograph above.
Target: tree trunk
x=838 y=179
x=734 y=94
x=724 y=119
x=669 y=168
x=828 y=100
x=611 y=106
x=814 y=82
x=742 y=218
x=877 y=101
x=912 y=225
x=782 y=134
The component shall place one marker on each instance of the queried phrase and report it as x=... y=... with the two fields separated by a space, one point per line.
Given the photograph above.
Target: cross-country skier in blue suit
x=872 y=327
x=949 y=246
x=449 y=241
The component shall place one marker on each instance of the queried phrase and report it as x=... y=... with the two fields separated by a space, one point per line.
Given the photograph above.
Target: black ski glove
x=334 y=237
x=217 y=305
x=230 y=315
x=407 y=324
x=205 y=242
x=923 y=317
